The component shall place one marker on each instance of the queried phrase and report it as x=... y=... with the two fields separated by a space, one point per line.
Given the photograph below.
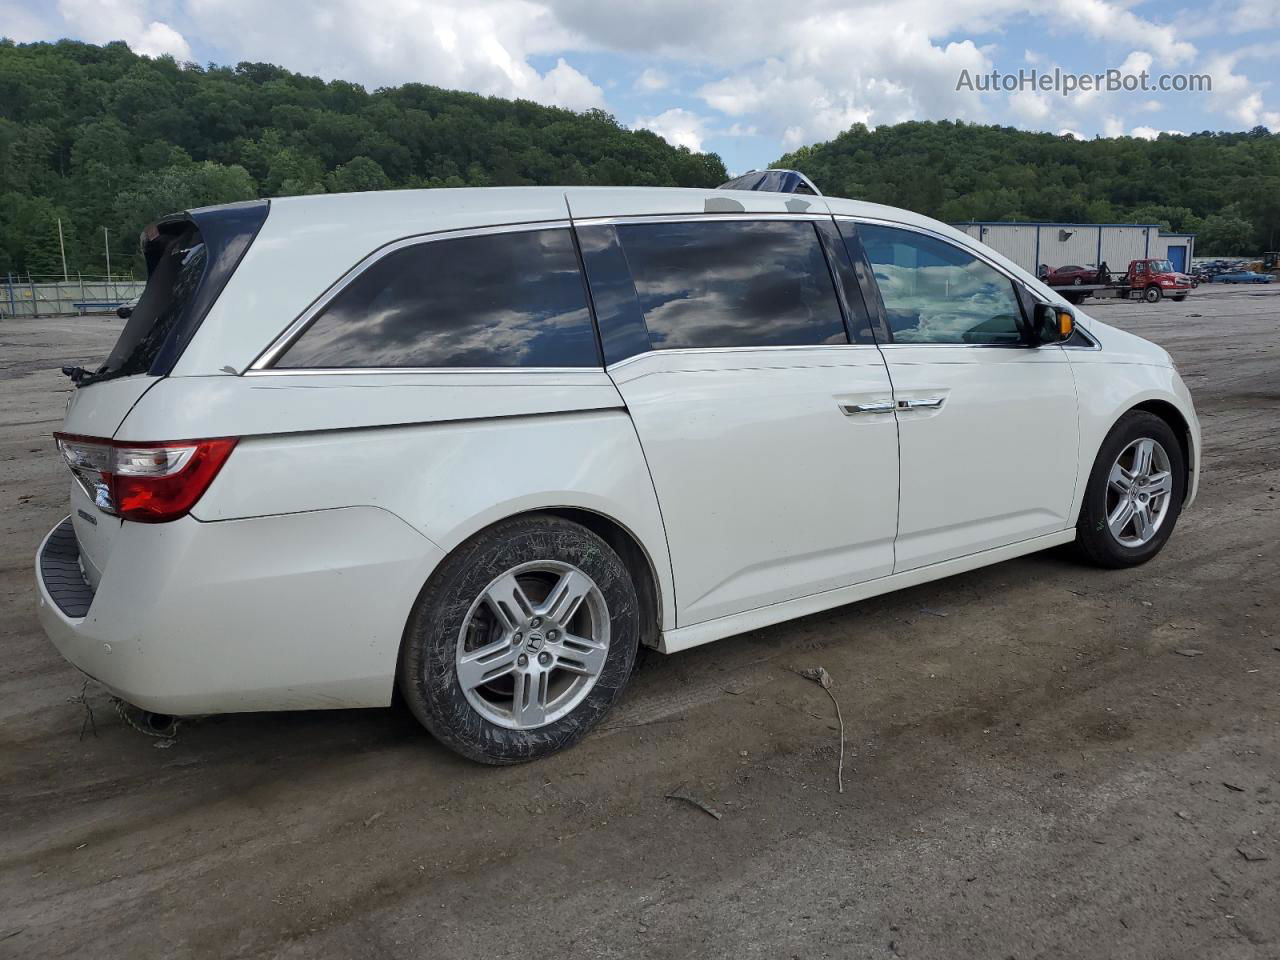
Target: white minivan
x=479 y=445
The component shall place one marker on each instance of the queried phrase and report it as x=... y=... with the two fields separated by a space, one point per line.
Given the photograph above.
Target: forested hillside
x=101 y=137
x=1223 y=186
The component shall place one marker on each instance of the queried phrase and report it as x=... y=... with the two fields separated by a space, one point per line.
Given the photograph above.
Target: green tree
x=360 y=173
x=1225 y=234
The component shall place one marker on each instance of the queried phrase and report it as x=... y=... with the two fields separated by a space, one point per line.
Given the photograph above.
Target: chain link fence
x=35 y=296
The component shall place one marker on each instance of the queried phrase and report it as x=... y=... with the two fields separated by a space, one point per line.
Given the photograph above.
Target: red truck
x=1148 y=279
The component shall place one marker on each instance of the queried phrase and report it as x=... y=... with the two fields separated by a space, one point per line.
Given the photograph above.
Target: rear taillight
x=147 y=482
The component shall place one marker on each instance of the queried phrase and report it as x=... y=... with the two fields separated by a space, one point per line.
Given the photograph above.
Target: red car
x=1074 y=276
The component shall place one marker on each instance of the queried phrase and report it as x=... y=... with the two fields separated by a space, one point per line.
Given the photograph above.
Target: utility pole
x=106 y=245
x=62 y=247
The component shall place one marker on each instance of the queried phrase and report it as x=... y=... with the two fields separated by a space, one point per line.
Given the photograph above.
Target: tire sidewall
x=428 y=662
x=1093 y=529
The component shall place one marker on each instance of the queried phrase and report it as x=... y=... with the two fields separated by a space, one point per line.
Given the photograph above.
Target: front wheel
x=1152 y=295
x=521 y=641
x=1135 y=493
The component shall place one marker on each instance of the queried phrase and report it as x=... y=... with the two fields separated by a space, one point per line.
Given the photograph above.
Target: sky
x=747 y=79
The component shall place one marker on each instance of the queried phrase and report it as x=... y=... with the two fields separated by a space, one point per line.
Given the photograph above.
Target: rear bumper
x=292 y=612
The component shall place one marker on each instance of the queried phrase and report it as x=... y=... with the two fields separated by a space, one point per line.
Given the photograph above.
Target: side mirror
x=1050 y=323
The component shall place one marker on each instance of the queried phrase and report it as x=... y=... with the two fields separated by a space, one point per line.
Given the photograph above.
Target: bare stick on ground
x=820 y=676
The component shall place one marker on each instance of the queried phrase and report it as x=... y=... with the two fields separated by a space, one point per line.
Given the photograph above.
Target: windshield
x=1161 y=266
x=177 y=264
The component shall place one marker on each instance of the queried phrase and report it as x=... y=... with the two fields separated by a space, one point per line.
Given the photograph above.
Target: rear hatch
x=189 y=260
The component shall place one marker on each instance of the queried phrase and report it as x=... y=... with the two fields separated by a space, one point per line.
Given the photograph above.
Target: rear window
x=732 y=283
x=177 y=265
x=498 y=300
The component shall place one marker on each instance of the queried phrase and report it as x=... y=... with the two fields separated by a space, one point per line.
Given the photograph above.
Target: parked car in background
x=1077 y=276
x=126 y=309
x=1243 y=276
x=480 y=445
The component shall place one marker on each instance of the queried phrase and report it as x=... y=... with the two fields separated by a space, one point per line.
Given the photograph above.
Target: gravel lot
x=1044 y=760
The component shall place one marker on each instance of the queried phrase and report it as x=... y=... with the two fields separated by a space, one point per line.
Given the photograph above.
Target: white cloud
x=1107 y=21
x=566 y=87
x=22 y=24
x=1029 y=105
x=101 y=21
x=652 y=79
x=1235 y=94
x=1150 y=133
x=479 y=45
x=1073 y=134
x=681 y=128
x=159 y=39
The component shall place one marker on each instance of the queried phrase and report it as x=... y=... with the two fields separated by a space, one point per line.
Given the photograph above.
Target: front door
x=987 y=426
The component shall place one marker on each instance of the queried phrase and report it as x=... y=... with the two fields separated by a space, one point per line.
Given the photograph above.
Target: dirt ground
x=1043 y=760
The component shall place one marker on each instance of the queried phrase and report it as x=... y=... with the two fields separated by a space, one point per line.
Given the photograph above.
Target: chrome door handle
x=924 y=403
x=874 y=406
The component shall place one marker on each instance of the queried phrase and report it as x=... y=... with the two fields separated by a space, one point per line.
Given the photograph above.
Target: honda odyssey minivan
x=479 y=445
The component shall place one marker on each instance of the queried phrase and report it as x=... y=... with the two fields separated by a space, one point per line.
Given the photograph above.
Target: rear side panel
x=449 y=453
x=195 y=618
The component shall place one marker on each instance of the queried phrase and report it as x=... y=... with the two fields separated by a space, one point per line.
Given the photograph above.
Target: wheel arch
x=635 y=558
x=629 y=547
x=1171 y=415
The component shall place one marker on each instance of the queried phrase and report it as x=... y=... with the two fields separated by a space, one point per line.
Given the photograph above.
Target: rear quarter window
x=513 y=299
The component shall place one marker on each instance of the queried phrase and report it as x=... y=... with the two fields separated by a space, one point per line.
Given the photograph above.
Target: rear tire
x=522 y=640
x=1152 y=295
x=1108 y=534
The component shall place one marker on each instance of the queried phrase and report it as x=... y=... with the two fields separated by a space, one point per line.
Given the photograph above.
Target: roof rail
x=773 y=181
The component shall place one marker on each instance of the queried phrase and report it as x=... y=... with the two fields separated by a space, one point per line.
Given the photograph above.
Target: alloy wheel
x=533 y=644
x=1139 y=488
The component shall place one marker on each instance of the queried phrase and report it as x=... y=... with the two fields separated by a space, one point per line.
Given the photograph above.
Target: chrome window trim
x=621 y=219
x=448 y=371
x=702 y=351
x=295 y=329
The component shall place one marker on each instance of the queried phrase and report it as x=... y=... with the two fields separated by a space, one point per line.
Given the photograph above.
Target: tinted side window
x=935 y=292
x=500 y=300
x=732 y=283
x=177 y=268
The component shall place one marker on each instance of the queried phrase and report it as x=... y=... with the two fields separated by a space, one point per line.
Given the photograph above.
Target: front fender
x=1109 y=389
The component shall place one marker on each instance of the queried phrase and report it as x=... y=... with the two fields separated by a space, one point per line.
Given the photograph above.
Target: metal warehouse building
x=1082 y=244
